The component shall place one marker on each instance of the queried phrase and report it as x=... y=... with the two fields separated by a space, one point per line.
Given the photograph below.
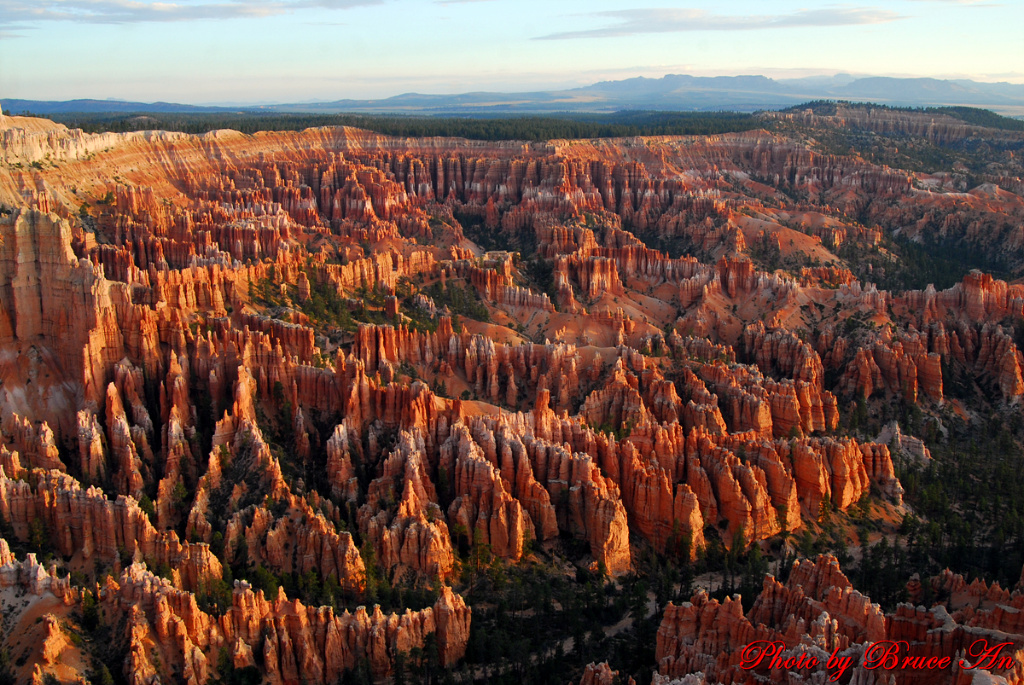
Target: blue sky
x=219 y=51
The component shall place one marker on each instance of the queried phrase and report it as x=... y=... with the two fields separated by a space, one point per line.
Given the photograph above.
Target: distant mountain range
x=672 y=92
x=67 y=106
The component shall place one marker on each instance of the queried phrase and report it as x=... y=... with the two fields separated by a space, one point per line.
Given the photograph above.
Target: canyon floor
x=329 y=406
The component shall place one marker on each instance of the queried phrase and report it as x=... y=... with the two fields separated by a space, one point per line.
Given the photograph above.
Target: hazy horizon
x=314 y=100
x=276 y=51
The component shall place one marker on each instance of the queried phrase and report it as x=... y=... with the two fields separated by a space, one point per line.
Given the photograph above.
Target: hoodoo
x=333 y=406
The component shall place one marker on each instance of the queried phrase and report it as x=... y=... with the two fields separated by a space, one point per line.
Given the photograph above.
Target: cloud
x=135 y=11
x=12 y=30
x=664 y=20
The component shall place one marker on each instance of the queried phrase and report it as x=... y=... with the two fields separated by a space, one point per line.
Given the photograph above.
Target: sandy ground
x=24 y=634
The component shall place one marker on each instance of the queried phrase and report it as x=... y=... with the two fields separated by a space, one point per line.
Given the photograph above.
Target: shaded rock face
x=255 y=355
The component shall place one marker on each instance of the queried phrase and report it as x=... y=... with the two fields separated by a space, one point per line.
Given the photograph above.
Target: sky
x=275 y=51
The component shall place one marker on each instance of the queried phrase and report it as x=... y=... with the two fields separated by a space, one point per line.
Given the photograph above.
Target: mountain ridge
x=746 y=93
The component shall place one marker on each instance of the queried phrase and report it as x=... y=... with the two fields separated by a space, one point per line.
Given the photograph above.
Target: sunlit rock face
x=289 y=358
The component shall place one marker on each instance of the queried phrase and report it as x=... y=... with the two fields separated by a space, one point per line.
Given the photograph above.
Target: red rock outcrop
x=48 y=293
x=483 y=506
x=35 y=443
x=415 y=537
x=817 y=612
x=84 y=521
x=601 y=674
x=31 y=576
x=189 y=331
x=310 y=544
x=296 y=639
